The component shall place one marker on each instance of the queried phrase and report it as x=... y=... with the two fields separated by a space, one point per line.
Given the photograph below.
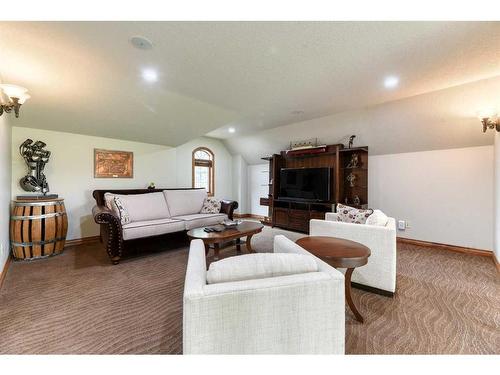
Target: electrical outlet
x=401 y=224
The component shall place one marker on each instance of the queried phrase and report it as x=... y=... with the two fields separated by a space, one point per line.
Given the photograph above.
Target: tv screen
x=312 y=184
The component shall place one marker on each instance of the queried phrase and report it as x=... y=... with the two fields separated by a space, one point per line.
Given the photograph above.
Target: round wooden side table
x=339 y=253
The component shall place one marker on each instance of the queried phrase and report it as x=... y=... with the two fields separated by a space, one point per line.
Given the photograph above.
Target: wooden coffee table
x=245 y=229
x=339 y=253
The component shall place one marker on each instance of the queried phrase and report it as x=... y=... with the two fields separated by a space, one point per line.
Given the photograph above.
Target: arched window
x=203 y=169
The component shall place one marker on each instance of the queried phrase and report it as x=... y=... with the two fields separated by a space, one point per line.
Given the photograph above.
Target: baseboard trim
x=251 y=216
x=497 y=264
x=4 y=271
x=242 y=216
x=82 y=241
x=441 y=246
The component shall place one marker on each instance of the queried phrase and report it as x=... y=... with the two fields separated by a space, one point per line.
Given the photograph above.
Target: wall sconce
x=489 y=120
x=12 y=97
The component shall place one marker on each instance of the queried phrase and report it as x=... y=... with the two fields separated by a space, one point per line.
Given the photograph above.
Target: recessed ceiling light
x=150 y=75
x=231 y=130
x=391 y=82
x=141 y=42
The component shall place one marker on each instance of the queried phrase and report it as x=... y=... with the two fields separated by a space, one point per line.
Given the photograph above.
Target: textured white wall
x=240 y=183
x=223 y=165
x=70 y=171
x=258 y=180
x=5 y=178
x=437 y=120
x=446 y=195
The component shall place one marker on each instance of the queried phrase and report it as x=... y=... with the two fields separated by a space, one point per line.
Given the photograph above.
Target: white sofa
x=293 y=314
x=150 y=214
x=380 y=272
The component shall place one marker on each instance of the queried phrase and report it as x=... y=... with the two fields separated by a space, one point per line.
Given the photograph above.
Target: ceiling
x=438 y=120
x=85 y=77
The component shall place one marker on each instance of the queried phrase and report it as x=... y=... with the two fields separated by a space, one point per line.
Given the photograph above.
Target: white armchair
x=294 y=314
x=380 y=272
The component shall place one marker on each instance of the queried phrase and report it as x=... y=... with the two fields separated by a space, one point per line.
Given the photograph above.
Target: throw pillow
x=348 y=214
x=109 y=201
x=124 y=216
x=210 y=206
x=377 y=218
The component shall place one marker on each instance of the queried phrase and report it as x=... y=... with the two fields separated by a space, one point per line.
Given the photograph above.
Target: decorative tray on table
x=231 y=223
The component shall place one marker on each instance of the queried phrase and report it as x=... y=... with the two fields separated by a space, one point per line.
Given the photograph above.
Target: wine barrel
x=38 y=228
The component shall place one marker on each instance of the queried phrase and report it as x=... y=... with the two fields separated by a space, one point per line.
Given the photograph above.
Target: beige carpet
x=79 y=303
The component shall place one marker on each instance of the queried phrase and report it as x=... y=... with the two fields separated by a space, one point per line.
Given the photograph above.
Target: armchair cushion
x=377 y=218
x=185 y=202
x=259 y=266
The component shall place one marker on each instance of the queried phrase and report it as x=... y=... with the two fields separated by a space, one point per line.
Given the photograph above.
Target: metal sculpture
x=351 y=141
x=35 y=157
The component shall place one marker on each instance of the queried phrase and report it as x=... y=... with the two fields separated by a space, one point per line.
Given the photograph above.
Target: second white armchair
x=380 y=272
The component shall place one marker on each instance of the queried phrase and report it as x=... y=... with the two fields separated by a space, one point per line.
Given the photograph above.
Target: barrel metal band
x=34 y=217
x=36 y=243
x=30 y=204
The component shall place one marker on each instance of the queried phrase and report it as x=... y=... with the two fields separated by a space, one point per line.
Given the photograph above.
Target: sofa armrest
x=111 y=231
x=331 y=216
x=196 y=272
x=227 y=207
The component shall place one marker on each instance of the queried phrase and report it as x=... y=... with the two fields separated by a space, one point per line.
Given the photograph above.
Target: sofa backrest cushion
x=142 y=207
x=259 y=266
x=185 y=202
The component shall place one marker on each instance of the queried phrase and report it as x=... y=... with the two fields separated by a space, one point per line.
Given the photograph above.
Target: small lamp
x=12 y=97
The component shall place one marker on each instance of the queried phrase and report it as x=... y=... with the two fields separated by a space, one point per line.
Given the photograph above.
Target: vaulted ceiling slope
x=85 y=77
x=441 y=119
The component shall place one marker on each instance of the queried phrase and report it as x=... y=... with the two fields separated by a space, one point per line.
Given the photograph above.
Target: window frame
x=210 y=164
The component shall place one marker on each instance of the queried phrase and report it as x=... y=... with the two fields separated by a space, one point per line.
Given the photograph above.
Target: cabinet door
x=280 y=216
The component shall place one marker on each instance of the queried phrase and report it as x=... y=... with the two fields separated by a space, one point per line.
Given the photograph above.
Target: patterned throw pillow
x=124 y=216
x=109 y=202
x=210 y=206
x=348 y=214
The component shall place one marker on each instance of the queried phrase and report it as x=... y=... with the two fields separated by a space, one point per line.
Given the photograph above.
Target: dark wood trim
x=497 y=264
x=82 y=241
x=252 y=216
x=441 y=246
x=4 y=271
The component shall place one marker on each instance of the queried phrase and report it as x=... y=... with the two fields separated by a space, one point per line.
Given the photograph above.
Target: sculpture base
x=37 y=196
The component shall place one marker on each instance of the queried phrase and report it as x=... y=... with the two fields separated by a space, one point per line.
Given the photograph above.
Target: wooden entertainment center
x=348 y=184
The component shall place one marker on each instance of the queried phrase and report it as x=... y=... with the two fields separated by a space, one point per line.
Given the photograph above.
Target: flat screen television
x=307 y=184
